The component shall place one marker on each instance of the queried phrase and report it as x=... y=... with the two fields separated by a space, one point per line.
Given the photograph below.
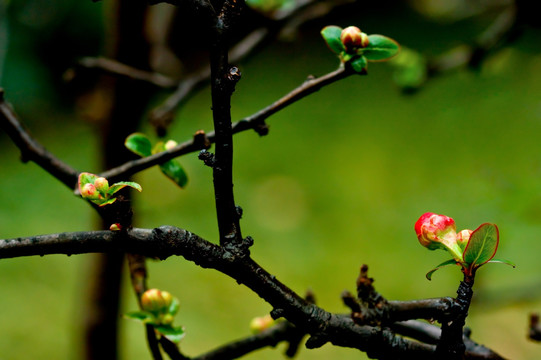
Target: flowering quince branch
x=373 y=326
x=323 y=326
x=469 y=249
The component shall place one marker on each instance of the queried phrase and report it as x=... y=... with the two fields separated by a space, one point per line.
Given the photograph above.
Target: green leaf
x=331 y=34
x=482 y=245
x=158 y=148
x=103 y=202
x=174 y=171
x=500 y=261
x=443 y=264
x=143 y=316
x=358 y=63
x=380 y=48
x=174 y=334
x=139 y=144
x=122 y=184
x=173 y=308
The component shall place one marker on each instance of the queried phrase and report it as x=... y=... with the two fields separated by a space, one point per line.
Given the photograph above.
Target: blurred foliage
x=339 y=182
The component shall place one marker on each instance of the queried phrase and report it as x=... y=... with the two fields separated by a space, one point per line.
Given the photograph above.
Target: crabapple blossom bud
x=463 y=237
x=167 y=319
x=88 y=191
x=115 y=227
x=101 y=184
x=259 y=324
x=352 y=37
x=156 y=301
x=438 y=232
x=170 y=144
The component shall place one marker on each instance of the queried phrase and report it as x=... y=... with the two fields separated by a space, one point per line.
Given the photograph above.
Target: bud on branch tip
x=96 y=189
x=469 y=249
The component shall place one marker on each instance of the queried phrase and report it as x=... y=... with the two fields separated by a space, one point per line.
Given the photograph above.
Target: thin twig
x=115 y=67
x=254 y=121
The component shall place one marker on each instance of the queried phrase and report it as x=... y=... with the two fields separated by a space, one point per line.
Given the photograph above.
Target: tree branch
x=255 y=121
x=31 y=150
x=166 y=241
x=114 y=67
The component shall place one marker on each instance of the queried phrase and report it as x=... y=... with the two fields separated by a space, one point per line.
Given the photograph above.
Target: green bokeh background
x=339 y=181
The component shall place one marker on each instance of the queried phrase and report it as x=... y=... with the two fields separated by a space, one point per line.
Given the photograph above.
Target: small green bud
x=167 y=319
x=101 y=184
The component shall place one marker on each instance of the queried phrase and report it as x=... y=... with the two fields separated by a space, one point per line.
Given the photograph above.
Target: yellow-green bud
x=101 y=184
x=88 y=191
x=156 y=301
x=262 y=323
x=115 y=227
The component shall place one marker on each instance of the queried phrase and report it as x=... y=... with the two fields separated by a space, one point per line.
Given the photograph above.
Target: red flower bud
x=352 y=37
x=438 y=232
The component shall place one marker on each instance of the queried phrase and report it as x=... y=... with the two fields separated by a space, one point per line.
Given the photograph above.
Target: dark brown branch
x=451 y=345
x=255 y=121
x=31 y=150
x=223 y=80
x=284 y=20
x=283 y=331
x=430 y=334
x=167 y=241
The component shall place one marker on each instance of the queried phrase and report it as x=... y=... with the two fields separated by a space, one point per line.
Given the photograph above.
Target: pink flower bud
x=88 y=191
x=352 y=37
x=438 y=232
x=170 y=144
x=463 y=237
x=101 y=184
x=156 y=301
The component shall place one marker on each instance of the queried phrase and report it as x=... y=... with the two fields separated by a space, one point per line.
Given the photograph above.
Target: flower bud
x=156 y=301
x=438 y=232
x=259 y=324
x=101 y=184
x=352 y=37
x=463 y=237
x=115 y=227
x=170 y=144
x=88 y=191
x=167 y=319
